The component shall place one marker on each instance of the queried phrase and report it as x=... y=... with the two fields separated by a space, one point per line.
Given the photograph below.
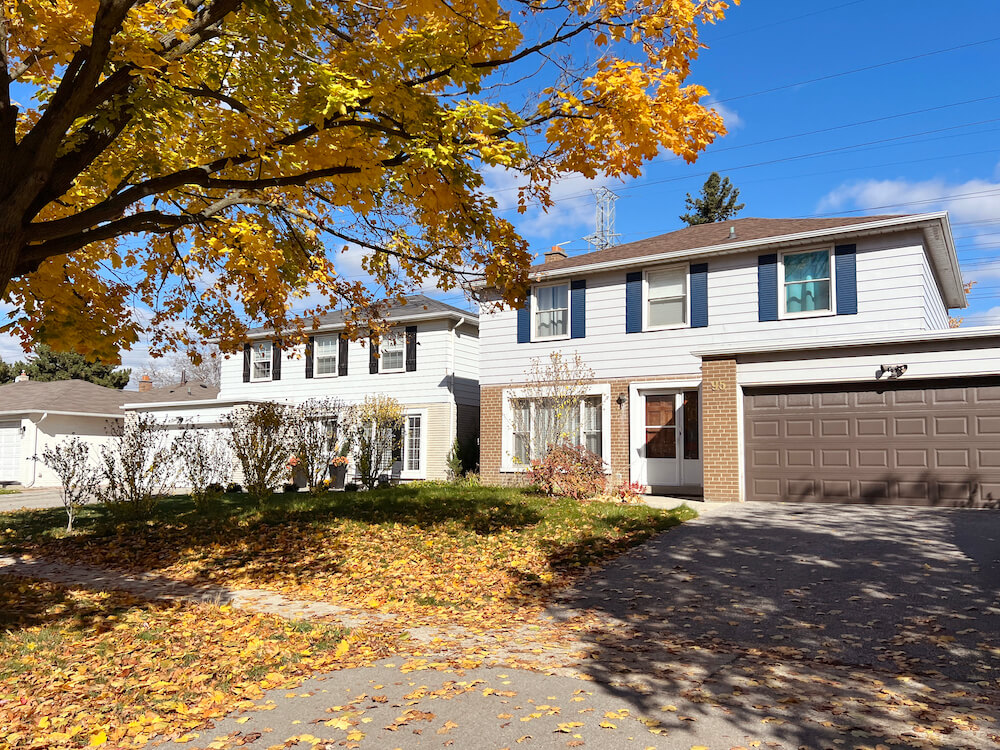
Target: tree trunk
x=11 y=243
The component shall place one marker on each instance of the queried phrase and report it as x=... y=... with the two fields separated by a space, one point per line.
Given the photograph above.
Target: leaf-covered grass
x=78 y=667
x=475 y=555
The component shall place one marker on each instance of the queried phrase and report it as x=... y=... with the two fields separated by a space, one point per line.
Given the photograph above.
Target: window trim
x=336 y=356
x=395 y=334
x=269 y=359
x=507 y=463
x=782 y=313
x=535 y=311
x=686 y=270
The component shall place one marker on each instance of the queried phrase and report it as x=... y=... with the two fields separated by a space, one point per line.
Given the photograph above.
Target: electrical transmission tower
x=604 y=235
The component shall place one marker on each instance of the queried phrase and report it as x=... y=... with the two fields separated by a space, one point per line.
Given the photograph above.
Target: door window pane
x=661 y=442
x=661 y=431
x=691 y=424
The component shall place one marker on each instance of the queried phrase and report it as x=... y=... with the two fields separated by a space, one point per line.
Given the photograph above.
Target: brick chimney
x=556 y=253
x=145 y=384
x=22 y=378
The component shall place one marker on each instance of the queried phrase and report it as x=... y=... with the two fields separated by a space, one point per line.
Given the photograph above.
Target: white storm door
x=662 y=439
x=10 y=451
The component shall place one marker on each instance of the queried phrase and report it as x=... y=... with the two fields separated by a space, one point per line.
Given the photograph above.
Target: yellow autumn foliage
x=175 y=168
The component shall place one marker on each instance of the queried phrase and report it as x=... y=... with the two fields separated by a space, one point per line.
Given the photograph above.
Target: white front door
x=10 y=451
x=667 y=443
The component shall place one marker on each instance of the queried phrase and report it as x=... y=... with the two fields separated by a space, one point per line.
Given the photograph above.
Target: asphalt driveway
x=780 y=626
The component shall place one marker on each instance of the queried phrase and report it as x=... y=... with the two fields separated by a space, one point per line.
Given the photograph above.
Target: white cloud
x=571 y=218
x=730 y=116
x=974 y=200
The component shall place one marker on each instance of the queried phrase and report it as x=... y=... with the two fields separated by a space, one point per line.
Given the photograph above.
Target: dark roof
x=190 y=391
x=62 y=395
x=83 y=397
x=706 y=235
x=416 y=304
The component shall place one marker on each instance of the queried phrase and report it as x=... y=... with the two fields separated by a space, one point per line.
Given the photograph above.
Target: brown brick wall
x=491 y=418
x=720 y=429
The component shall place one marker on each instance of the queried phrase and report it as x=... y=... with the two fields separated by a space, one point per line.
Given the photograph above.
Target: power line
x=831 y=76
x=787 y=20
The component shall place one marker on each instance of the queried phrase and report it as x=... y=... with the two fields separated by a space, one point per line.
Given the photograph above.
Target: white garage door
x=10 y=452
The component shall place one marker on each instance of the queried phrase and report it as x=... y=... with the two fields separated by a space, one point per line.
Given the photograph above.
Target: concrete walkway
x=30 y=499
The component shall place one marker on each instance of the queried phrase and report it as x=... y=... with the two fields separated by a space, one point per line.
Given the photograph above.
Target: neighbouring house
x=761 y=359
x=35 y=415
x=429 y=362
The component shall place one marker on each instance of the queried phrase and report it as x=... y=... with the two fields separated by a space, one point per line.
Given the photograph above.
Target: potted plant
x=338 y=471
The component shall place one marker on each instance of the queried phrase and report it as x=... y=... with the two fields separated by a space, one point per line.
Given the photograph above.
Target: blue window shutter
x=846 y=269
x=524 y=321
x=767 y=287
x=699 y=295
x=578 y=309
x=633 y=302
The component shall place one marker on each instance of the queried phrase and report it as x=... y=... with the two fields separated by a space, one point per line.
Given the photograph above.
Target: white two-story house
x=765 y=359
x=428 y=362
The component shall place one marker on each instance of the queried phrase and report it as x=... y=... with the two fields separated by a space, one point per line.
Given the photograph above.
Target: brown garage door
x=901 y=443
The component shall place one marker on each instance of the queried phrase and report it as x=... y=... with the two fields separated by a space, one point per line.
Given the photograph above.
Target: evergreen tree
x=7 y=372
x=717 y=202
x=47 y=365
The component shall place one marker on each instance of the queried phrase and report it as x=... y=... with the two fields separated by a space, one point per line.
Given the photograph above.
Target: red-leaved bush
x=569 y=471
x=629 y=492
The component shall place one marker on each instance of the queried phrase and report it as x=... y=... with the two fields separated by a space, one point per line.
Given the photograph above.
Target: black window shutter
x=699 y=295
x=767 y=287
x=276 y=360
x=341 y=355
x=246 y=363
x=411 y=348
x=578 y=309
x=633 y=302
x=372 y=355
x=310 y=348
x=397 y=443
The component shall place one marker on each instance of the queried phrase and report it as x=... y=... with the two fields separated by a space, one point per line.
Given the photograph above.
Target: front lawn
x=437 y=552
x=81 y=668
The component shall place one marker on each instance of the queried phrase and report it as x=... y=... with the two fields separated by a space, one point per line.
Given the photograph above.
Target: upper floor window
x=392 y=352
x=261 y=361
x=666 y=298
x=551 y=313
x=325 y=355
x=806 y=283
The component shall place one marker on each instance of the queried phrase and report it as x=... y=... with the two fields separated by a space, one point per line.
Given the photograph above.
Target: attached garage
x=896 y=442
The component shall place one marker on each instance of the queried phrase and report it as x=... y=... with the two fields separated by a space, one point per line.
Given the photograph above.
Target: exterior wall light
x=892 y=372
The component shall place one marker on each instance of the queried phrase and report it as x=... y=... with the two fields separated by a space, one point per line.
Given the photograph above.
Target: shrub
x=569 y=471
x=136 y=468
x=234 y=487
x=70 y=460
x=206 y=462
x=629 y=492
x=259 y=436
x=313 y=436
x=373 y=429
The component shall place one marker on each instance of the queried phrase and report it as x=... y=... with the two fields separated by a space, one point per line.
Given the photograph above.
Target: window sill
x=391 y=372
x=319 y=376
x=677 y=327
x=261 y=380
x=561 y=337
x=807 y=315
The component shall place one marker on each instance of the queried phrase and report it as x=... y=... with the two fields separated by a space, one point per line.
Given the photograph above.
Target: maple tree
x=175 y=167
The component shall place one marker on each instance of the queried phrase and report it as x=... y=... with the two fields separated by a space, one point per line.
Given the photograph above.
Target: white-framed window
x=532 y=423
x=325 y=356
x=806 y=284
x=412 y=441
x=260 y=361
x=666 y=298
x=550 y=314
x=393 y=352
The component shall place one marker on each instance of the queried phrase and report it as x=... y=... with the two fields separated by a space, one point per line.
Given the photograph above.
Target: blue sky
x=879 y=157
x=917 y=129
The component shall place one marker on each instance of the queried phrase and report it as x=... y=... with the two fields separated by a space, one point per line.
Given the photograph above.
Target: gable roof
x=417 y=307
x=86 y=398
x=756 y=233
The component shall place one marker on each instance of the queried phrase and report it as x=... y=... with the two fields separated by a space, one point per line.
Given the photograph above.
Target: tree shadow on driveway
x=806 y=624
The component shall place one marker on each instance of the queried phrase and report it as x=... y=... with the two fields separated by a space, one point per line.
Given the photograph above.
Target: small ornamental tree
x=137 y=467
x=373 y=429
x=260 y=438
x=313 y=435
x=70 y=460
x=206 y=463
